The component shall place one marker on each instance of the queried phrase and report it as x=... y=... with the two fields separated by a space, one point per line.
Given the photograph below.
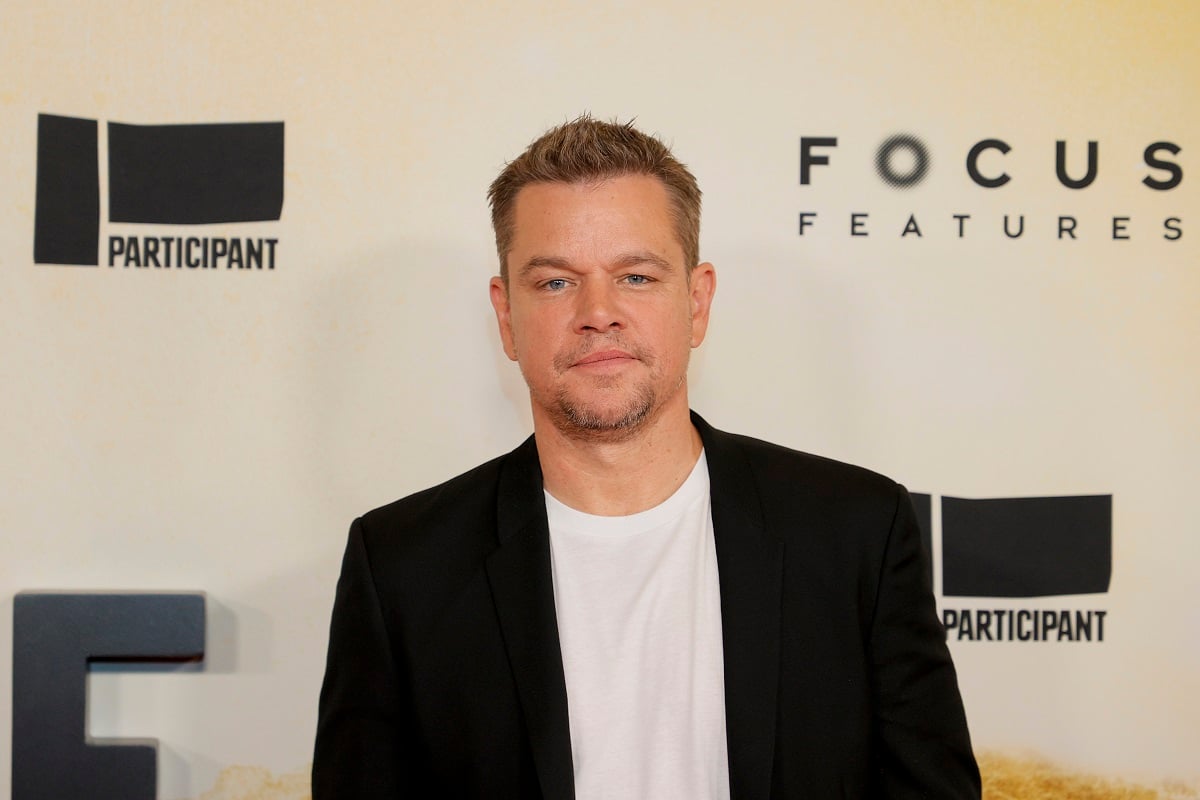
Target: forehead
x=623 y=211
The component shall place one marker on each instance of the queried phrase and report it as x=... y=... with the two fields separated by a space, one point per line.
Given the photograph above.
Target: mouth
x=604 y=358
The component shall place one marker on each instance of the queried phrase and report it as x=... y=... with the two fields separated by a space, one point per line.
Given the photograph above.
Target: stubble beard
x=572 y=413
x=576 y=419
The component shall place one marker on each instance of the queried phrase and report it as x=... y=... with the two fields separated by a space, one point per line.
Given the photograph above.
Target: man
x=632 y=604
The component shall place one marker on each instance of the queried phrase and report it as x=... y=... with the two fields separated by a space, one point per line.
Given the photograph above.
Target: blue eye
x=554 y=284
x=637 y=280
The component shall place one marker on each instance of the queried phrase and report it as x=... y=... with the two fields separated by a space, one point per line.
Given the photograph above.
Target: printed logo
x=885 y=161
x=66 y=227
x=903 y=160
x=157 y=175
x=1025 y=547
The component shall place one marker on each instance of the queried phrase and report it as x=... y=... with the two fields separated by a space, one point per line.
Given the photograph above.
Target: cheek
x=534 y=341
x=529 y=326
x=674 y=339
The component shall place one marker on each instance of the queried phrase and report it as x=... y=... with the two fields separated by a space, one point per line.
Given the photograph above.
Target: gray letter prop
x=54 y=638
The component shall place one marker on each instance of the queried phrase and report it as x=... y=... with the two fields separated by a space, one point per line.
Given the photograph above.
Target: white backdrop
x=182 y=430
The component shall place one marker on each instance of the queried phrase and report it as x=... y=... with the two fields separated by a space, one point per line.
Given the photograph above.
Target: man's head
x=587 y=150
x=601 y=298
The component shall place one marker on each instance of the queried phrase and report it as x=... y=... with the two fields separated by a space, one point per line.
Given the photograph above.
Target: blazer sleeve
x=922 y=745
x=364 y=748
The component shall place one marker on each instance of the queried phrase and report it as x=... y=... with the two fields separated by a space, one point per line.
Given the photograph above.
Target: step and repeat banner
x=244 y=255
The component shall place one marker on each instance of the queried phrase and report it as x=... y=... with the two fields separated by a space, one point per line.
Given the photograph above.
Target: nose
x=598 y=308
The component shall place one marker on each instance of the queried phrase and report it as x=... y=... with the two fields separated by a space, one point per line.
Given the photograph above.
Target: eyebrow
x=633 y=259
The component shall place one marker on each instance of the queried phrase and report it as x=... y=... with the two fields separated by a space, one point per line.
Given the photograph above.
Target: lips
x=602 y=357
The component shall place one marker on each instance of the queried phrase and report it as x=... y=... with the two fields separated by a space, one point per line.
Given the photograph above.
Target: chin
x=615 y=418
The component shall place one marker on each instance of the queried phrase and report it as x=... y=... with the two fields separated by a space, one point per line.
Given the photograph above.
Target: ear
x=500 y=304
x=702 y=286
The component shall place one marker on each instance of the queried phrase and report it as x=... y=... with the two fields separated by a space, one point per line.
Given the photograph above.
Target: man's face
x=599 y=310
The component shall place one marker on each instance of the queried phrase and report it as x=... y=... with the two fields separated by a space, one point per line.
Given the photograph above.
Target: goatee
x=577 y=420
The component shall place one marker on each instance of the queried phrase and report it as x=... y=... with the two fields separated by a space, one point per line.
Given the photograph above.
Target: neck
x=621 y=475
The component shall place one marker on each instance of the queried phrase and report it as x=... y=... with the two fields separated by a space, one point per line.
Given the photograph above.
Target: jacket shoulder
x=445 y=527
x=778 y=469
x=802 y=496
x=471 y=491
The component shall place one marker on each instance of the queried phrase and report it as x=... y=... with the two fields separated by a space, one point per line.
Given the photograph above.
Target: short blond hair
x=587 y=150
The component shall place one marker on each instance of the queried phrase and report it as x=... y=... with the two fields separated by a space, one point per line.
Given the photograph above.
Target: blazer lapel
x=750 y=567
x=522 y=584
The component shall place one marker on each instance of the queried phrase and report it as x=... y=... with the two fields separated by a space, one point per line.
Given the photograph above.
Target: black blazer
x=445 y=678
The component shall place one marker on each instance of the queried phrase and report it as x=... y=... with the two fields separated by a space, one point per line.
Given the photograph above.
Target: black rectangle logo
x=66 y=222
x=195 y=174
x=1026 y=547
x=923 y=506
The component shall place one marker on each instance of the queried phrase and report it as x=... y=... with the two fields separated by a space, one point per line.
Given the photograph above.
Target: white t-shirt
x=639 y=620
